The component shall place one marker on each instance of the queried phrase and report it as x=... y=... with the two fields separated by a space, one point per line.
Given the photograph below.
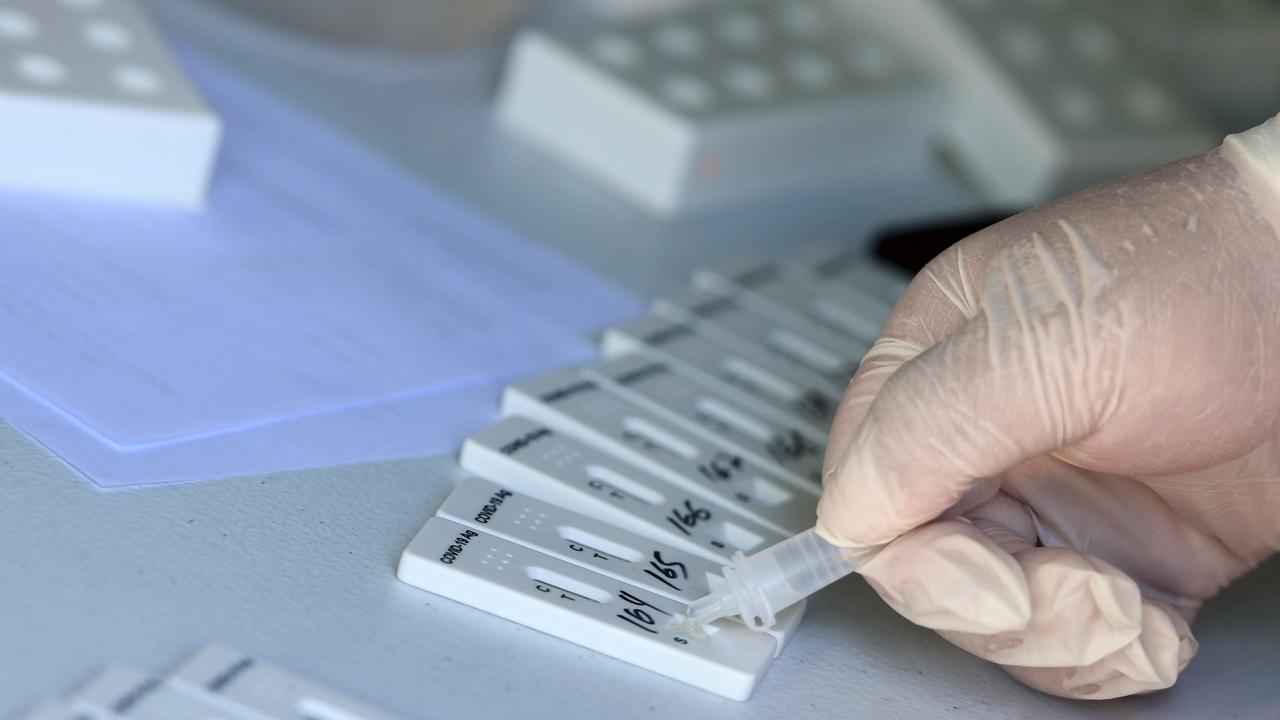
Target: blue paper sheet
x=322 y=278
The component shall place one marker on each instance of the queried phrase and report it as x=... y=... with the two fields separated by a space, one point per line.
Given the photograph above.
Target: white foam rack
x=610 y=495
x=704 y=103
x=1044 y=96
x=1225 y=53
x=92 y=103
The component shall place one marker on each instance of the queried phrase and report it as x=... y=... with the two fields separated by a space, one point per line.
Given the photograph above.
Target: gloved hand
x=1069 y=433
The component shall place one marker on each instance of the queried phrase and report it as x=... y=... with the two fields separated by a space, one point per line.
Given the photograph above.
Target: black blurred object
x=911 y=247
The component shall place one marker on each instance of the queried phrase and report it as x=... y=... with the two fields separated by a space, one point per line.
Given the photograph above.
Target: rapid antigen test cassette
x=567 y=599
x=728 y=321
x=260 y=691
x=217 y=683
x=560 y=469
x=792 y=450
x=578 y=539
x=712 y=471
x=762 y=381
x=787 y=295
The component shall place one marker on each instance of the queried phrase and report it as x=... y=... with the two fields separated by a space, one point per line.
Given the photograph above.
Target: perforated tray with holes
x=721 y=101
x=93 y=103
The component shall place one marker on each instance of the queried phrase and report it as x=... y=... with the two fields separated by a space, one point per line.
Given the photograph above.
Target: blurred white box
x=92 y=103
x=1044 y=96
x=1224 y=53
x=718 y=102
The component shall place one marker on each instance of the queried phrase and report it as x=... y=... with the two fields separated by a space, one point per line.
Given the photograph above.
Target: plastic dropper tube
x=760 y=586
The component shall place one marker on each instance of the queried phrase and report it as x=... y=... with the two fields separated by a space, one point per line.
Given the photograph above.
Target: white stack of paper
x=327 y=307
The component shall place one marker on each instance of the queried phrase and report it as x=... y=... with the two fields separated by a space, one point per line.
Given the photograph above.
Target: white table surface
x=298 y=568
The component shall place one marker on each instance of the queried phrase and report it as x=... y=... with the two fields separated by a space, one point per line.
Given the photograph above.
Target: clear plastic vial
x=760 y=586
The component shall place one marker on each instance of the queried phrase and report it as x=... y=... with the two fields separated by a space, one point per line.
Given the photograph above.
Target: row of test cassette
x=614 y=492
x=216 y=683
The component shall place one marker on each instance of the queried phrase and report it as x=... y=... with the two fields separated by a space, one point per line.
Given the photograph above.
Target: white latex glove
x=1094 y=386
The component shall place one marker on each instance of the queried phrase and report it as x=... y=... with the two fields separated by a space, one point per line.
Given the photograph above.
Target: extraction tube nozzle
x=719 y=604
x=759 y=586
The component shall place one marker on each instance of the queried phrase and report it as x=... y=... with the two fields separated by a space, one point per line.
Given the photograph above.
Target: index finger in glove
x=1037 y=368
x=937 y=302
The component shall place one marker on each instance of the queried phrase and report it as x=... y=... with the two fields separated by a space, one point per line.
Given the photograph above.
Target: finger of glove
x=886 y=355
x=1082 y=610
x=1151 y=661
x=937 y=302
x=948 y=575
x=1033 y=372
x=1128 y=524
x=1004 y=516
